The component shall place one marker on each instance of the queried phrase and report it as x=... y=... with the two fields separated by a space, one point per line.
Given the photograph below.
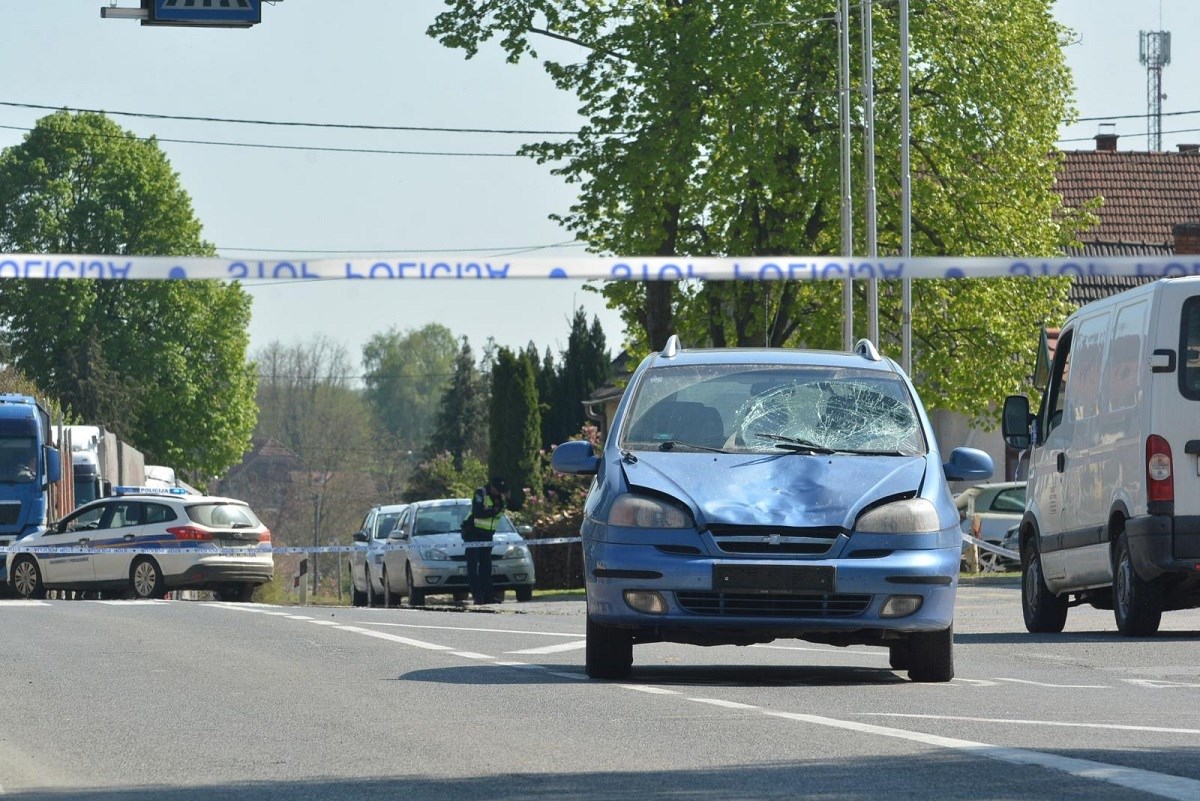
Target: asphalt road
x=187 y=700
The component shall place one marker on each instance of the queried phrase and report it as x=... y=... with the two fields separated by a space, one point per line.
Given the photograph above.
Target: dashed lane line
x=469 y=628
x=552 y=649
x=1022 y=722
x=1056 y=686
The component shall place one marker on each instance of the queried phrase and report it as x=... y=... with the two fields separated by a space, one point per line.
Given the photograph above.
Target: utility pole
x=847 y=206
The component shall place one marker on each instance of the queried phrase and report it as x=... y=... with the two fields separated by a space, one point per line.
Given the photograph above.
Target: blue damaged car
x=745 y=495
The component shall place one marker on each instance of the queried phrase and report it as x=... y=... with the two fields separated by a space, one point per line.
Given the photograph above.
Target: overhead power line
x=289 y=123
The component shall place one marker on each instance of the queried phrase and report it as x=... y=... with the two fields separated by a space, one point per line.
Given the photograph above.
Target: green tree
x=460 y=427
x=162 y=363
x=585 y=366
x=406 y=374
x=712 y=128
x=514 y=425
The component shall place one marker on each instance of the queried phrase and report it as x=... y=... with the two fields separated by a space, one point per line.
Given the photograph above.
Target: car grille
x=462 y=557
x=729 y=604
x=9 y=513
x=774 y=540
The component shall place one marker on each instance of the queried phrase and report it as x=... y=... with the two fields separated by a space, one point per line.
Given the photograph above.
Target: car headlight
x=914 y=516
x=516 y=552
x=434 y=554
x=640 y=511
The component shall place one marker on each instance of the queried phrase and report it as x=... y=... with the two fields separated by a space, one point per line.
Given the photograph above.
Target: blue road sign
x=206 y=12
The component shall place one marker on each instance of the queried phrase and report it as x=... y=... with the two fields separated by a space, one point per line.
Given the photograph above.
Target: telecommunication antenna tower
x=1155 y=53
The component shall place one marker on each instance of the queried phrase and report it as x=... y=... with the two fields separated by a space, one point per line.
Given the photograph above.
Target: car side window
x=124 y=515
x=84 y=521
x=158 y=513
x=1009 y=500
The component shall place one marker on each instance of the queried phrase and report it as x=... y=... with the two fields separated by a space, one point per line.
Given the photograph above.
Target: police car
x=144 y=542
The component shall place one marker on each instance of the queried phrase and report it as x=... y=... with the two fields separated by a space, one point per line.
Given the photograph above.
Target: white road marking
x=298 y=617
x=325 y=622
x=465 y=628
x=1056 y=686
x=132 y=602
x=1159 y=684
x=552 y=649
x=383 y=635
x=1161 y=784
x=646 y=688
x=977 y=682
x=521 y=665
x=1067 y=724
x=472 y=655
x=23 y=602
x=725 y=704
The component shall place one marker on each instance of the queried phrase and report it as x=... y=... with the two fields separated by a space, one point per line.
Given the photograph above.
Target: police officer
x=486 y=507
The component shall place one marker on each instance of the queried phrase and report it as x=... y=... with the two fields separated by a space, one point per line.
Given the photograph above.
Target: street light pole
x=847 y=208
x=905 y=194
x=868 y=35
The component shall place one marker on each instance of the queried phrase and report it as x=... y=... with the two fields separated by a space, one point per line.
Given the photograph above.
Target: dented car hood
x=784 y=489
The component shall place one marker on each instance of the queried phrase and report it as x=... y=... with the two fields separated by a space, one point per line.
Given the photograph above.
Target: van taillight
x=1160 y=486
x=189 y=533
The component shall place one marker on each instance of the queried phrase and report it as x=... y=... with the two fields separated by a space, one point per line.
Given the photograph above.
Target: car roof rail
x=867 y=349
x=672 y=347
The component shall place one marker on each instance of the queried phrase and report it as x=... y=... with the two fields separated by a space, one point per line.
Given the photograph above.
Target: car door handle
x=129 y=538
x=84 y=541
x=1062 y=461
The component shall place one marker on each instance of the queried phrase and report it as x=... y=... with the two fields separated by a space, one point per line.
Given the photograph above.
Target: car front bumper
x=696 y=611
x=451 y=575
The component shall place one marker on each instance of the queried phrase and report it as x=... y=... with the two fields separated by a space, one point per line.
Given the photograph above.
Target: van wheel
x=1137 y=604
x=609 y=651
x=146 y=579
x=1045 y=612
x=27 y=579
x=930 y=655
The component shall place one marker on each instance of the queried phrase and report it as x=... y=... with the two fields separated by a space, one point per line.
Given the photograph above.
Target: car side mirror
x=576 y=457
x=359 y=536
x=525 y=530
x=968 y=464
x=1016 y=422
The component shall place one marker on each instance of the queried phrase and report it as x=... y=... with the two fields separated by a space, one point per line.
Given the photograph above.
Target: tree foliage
x=461 y=422
x=584 y=366
x=162 y=363
x=406 y=374
x=515 y=425
x=712 y=128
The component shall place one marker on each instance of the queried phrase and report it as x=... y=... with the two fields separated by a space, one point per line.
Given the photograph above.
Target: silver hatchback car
x=433 y=560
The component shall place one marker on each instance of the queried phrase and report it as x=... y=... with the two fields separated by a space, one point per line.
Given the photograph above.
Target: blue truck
x=30 y=469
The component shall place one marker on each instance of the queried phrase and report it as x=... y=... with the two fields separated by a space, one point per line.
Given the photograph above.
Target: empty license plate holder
x=773 y=578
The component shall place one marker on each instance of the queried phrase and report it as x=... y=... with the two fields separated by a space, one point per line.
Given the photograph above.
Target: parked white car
x=1113 y=515
x=433 y=558
x=987 y=511
x=366 y=561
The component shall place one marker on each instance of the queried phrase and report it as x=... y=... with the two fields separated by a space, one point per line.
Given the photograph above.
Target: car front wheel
x=930 y=655
x=27 y=579
x=608 y=653
x=415 y=597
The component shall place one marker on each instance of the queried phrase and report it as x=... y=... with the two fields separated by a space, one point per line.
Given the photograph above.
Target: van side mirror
x=1015 y=425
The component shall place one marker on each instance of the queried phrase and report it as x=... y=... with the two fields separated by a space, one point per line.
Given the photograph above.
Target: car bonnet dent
x=768 y=489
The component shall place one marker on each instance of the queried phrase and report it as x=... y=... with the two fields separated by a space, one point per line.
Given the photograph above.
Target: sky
x=369 y=62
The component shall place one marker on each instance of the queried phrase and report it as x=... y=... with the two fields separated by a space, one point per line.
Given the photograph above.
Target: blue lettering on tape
x=243 y=270
x=424 y=271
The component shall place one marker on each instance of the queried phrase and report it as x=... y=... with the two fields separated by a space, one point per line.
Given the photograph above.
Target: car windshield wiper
x=876 y=453
x=796 y=444
x=671 y=444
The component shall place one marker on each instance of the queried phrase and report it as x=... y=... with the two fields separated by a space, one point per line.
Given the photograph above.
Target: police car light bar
x=149 y=491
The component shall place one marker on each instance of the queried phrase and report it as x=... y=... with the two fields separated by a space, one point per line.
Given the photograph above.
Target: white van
x=1112 y=513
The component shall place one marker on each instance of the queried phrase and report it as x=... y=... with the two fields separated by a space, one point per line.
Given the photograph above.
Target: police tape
x=452 y=266
x=74 y=550
x=993 y=547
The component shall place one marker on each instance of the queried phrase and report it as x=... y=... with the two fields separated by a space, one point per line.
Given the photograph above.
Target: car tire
x=1137 y=604
x=357 y=598
x=415 y=597
x=1044 y=612
x=461 y=596
x=389 y=598
x=524 y=592
x=608 y=653
x=931 y=655
x=27 y=578
x=898 y=655
x=146 y=579
x=372 y=597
